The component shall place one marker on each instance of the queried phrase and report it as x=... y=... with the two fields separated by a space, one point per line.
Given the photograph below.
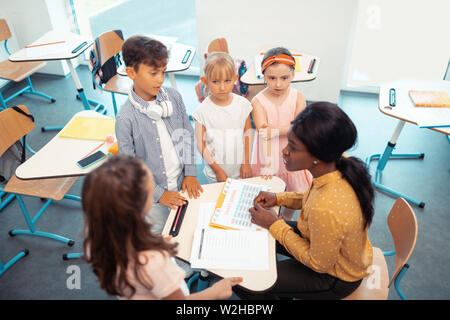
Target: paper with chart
x=232 y=207
x=230 y=249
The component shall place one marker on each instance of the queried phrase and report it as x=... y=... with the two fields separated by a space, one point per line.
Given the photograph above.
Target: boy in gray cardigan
x=153 y=126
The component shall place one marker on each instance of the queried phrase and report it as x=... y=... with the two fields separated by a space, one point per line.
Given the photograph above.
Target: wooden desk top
x=404 y=109
x=249 y=77
x=58 y=158
x=255 y=280
x=72 y=40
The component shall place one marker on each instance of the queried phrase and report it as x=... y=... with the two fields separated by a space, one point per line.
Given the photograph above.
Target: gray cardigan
x=137 y=136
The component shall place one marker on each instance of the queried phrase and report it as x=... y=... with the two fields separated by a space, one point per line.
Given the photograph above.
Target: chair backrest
x=110 y=43
x=13 y=126
x=218 y=45
x=402 y=223
x=5 y=32
x=104 y=56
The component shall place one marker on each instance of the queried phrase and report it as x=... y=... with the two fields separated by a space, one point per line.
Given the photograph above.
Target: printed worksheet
x=230 y=249
x=233 y=212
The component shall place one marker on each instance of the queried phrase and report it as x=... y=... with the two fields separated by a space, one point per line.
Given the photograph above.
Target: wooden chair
x=17 y=71
x=14 y=126
x=107 y=46
x=402 y=223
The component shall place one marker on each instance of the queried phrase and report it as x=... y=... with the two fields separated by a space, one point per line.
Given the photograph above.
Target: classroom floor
x=44 y=275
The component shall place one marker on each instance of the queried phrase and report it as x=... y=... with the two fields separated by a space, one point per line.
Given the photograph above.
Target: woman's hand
x=266 y=199
x=262 y=216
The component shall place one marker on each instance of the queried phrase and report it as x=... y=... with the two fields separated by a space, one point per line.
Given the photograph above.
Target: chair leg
x=382 y=161
x=5 y=202
x=75 y=255
x=397 y=282
x=87 y=103
x=30 y=90
x=114 y=103
x=30 y=222
x=20 y=255
x=203 y=281
x=3 y=105
x=192 y=279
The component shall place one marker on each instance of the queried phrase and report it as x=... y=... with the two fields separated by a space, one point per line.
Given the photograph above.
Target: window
x=170 y=18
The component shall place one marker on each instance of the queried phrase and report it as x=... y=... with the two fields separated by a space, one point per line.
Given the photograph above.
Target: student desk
x=180 y=57
x=404 y=112
x=250 y=78
x=255 y=280
x=58 y=158
x=72 y=41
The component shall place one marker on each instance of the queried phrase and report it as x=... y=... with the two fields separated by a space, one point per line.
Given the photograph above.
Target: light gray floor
x=42 y=274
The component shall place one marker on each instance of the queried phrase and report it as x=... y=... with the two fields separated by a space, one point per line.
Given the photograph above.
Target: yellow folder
x=89 y=128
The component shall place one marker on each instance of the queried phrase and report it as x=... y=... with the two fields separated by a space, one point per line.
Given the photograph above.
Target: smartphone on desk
x=91 y=159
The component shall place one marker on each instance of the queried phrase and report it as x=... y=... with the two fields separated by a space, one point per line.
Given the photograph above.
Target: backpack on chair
x=103 y=71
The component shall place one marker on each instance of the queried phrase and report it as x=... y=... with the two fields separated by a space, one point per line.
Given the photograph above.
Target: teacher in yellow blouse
x=328 y=248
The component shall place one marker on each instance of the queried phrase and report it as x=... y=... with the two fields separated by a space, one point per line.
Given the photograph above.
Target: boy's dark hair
x=141 y=49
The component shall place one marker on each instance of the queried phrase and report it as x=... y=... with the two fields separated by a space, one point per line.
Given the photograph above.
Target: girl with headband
x=273 y=110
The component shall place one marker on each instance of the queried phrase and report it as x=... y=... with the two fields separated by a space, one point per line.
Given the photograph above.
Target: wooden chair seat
x=17 y=71
x=118 y=84
x=375 y=285
x=53 y=188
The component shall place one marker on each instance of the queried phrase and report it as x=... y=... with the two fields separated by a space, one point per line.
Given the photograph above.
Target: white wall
x=317 y=27
x=28 y=20
x=401 y=39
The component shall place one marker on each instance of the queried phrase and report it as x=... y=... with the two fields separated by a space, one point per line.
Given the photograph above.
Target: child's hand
x=222 y=289
x=172 y=199
x=246 y=171
x=267 y=171
x=264 y=132
x=221 y=175
x=192 y=186
x=267 y=133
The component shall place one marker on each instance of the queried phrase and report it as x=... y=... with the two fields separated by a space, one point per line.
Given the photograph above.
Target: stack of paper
x=227 y=249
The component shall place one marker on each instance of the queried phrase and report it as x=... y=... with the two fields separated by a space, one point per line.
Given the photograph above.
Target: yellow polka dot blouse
x=333 y=240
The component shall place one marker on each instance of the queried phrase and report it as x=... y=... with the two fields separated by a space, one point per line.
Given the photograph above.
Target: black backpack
x=103 y=71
